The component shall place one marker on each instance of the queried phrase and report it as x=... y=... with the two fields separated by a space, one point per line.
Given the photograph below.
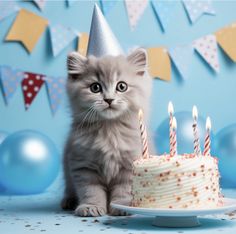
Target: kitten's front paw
x=117 y=212
x=69 y=203
x=90 y=210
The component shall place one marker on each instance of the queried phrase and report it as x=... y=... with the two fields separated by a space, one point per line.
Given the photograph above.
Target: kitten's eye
x=96 y=87
x=121 y=86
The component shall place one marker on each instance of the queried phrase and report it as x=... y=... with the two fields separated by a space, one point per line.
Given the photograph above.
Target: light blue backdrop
x=213 y=94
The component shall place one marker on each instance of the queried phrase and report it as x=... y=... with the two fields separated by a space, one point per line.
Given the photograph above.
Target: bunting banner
x=107 y=5
x=11 y=78
x=31 y=85
x=7 y=9
x=161 y=67
x=27 y=28
x=61 y=37
x=40 y=4
x=207 y=48
x=56 y=91
x=164 y=11
x=226 y=38
x=83 y=44
x=181 y=57
x=195 y=9
x=135 y=10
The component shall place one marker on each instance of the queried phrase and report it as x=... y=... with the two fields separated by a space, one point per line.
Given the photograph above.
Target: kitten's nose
x=109 y=101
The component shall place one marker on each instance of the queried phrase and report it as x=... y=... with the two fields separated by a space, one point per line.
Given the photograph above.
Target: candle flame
x=195 y=113
x=140 y=114
x=208 y=124
x=174 y=124
x=170 y=108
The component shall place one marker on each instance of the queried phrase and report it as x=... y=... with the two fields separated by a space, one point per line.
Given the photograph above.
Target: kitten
x=105 y=95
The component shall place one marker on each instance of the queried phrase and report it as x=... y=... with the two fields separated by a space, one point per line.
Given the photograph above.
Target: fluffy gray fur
x=104 y=140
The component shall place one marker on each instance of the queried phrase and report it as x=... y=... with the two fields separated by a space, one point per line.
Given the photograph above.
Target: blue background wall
x=213 y=94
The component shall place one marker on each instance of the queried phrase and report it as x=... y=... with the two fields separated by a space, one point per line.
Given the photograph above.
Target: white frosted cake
x=182 y=181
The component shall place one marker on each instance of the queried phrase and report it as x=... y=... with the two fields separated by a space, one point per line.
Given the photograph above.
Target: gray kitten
x=105 y=95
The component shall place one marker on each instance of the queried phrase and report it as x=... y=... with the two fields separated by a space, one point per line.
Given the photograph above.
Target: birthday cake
x=181 y=181
x=187 y=181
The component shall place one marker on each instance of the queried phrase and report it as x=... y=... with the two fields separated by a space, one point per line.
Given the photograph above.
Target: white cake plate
x=178 y=217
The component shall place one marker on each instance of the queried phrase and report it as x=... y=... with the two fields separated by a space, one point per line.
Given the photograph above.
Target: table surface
x=42 y=214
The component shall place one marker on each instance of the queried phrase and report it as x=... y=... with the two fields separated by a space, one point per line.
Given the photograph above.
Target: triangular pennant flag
x=71 y=2
x=226 y=38
x=40 y=4
x=195 y=8
x=31 y=84
x=207 y=48
x=61 y=37
x=7 y=8
x=10 y=80
x=159 y=63
x=135 y=10
x=27 y=28
x=83 y=44
x=164 y=11
x=107 y=5
x=56 y=91
x=181 y=57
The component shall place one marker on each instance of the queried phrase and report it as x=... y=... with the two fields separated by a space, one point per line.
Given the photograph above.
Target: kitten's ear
x=139 y=59
x=76 y=63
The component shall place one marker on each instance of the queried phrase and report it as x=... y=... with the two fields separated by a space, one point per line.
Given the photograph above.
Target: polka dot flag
x=10 y=81
x=107 y=5
x=182 y=56
x=135 y=10
x=56 y=91
x=60 y=37
x=207 y=48
x=7 y=8
x=196 y=8
x=31 y=84
x=164 y=11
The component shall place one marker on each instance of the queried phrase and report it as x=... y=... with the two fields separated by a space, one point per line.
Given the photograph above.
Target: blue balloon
x=225 y=150
x=29 y=162
x=184 y=134
x=3 y=135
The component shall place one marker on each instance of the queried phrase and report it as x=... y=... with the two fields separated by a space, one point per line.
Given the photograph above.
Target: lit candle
x=171 y=114
x=207 y=144
x=173 y=140
x=143 y=131
x=197 y=149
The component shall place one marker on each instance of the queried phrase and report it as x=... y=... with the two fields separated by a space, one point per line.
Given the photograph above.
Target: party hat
x=101 y=39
